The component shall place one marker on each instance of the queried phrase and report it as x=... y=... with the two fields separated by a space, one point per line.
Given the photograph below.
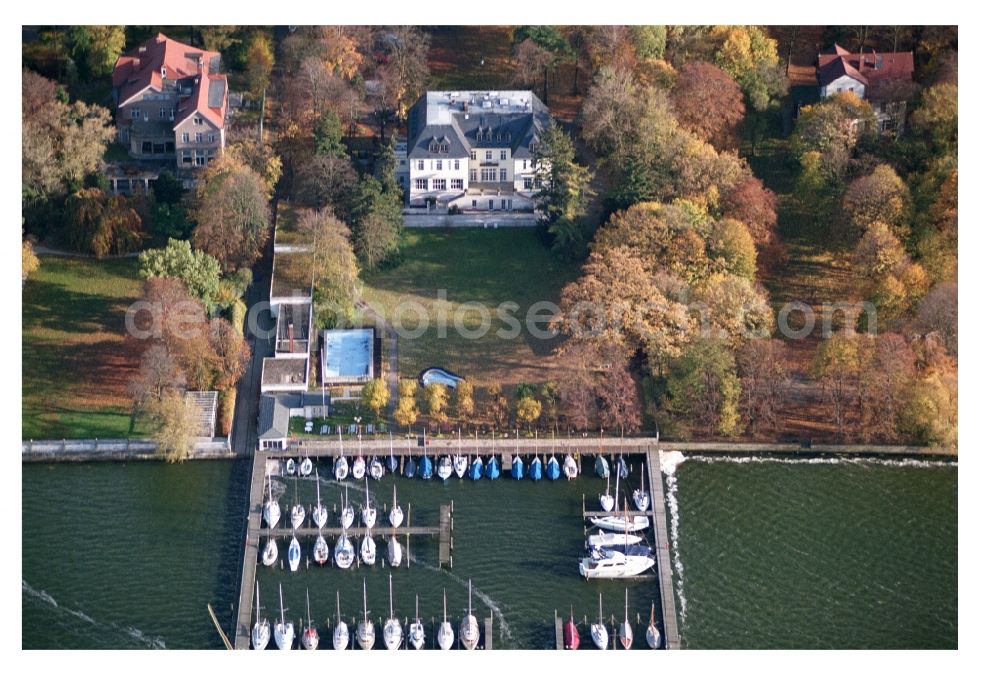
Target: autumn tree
x=749 y=202
x=880 y=196
x=929 y=412
x=733 y=309
x=465 y=403
x=326 y=180
x=406 y=409
x=158 y=373
x=29 y=261
x=375 y=396
x=541 y=48
x=649 y=41
x=407 y=63
x=751 y=58
x=335 y=270
x=709 y=103
x=891 y=280
x=174 y=419
x=702 y=387
x=937 y=116
x=762 y=367
x=497 y=408
x=833 y=128
x=937 y=229
x=436 y=396
x=617 y=396
x=836 y=365
x=259 y=63
x=248 y=147
x=565 y=191
x=232 y=214
x=378 y=219
x=576 y=385
x=885 y=370
x=101 y=224
x=527 y=410
x=96 y=48
x=938 y=312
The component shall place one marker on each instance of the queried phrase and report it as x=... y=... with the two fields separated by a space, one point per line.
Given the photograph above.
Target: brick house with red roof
x=885 y=79
x=171 y=103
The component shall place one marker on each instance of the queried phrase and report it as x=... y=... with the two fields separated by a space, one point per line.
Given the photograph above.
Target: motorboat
x=535 y=470
x=321 y=550
x=341 y=469
x=375 y=469
x=319 y=513
x=622 y=468
x=396 y=513
x=570 y=468
x=392 y=632
x=294 y=554
x=476 y=469
x=290 y=466
x=261 y=634
x=343 y=552
x=305 y=467
x=269 y=554
x=610 y=564
x=625 y=629
x=602 y=539
x=310 y=636
x=653 y=637
x=552 y=470
x=461 y=465
x=368 y=514
x=571 y=635
x=416 y=634
x=394 y=552
x=341 y=634
x=446 y=635
x=358 y=468
x=640 y=496
x=368 y=549
x=272 y=510
x=620 y=524
x=599 y=632
x=284 y=632
x=606 y=500
x=366 y=630
x=445 y=467
x=601 y=467
x=516 y=468
x=346 y=512
x=470 y=626
x=426 y=468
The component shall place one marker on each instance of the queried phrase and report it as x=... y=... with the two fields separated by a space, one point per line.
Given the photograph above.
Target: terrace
x=288 y=233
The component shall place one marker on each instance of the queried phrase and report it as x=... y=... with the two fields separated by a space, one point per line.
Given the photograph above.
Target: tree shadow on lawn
x=56 y=307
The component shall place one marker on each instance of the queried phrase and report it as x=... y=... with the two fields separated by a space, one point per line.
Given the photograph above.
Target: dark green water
x=774 y=555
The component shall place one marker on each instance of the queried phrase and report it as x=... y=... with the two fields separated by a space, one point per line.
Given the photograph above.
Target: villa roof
x=866 y=67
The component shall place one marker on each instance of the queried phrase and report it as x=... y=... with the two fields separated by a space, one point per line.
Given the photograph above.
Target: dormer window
x=434 y=147
x=444 y=148
x=479 y=135
x=533 y=146
x=489 y=134
x=198 y=120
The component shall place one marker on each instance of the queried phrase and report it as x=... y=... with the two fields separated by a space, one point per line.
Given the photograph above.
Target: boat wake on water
x=136 y=634
x=669 y=461
x=835 y=460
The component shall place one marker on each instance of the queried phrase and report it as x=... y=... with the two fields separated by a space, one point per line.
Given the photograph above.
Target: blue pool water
x=348 y=353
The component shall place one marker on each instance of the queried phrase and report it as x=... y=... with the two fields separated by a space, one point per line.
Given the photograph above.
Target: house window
x=503 y=154
x=434 y=147
x=532 y=146
x=198 y=137
x=472 y=175
x=186 y=157
x=489 y=154
x=444 y=148
x=440 y=184
x=145 y=116
x=489 y=174
x=198 y=120
x=420 y=184
x=475 y=203
x=135 y=113
x=455 y=165
x=525 y=165
x=163 y=113
x=147 y=147
x=456 y=184
x=527 y=184
x=503 y=174
x=420 y=165
x=185 y=137
x=199 y=158
x=438 y=165
x=473 y=156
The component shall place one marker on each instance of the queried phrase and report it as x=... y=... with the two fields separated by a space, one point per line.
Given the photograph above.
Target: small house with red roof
x=885 y=79
x=171 y=103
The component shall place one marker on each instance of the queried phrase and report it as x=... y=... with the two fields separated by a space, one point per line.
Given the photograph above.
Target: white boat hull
x=599 y=635
x=461 y=465
x=294 y=555
x=284 y=635
x=310 y=639
x=641 y=500
x=261 y=635
x=446 y=636
x=470 y=632
x=305 y=467
x=341 y=636
x=394 y=553
x=366 y=635
x=321 y=550
x=417 y=635
x=396 y=517
x=269 y=555
x=272 y=513
x=343 y=554
x=369 y=517
x=614 y=565
x=602 y=539
x=392 y=634
x=607 y=502
x=347 y=517
x=358 y=470
x=368 y=551
x=298 y=516
x=620 y=524
x=320 y=515
x=341 y=469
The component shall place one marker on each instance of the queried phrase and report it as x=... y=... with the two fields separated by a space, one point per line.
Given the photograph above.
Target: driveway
x=487 y=219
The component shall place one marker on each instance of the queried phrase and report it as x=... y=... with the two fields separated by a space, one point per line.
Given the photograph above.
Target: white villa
x=473 y=150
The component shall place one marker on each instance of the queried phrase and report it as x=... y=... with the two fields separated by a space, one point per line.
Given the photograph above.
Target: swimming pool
x=348 y=355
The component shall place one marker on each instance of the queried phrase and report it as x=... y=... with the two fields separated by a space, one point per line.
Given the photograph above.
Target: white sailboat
x=358 y=469
x=625 y=629
x=570 y=468
x=396 y=514
x=305 y=467
x=602 y=539
x=261 y=630
x=321 y=550
x=368 y=514
x=290 y=466
x=416 y=633
x=341 y=634
x=269 y=554
x=470 y=626
x=392 y=632
x=621 y=524
x=284 y=632
x=310 y=636
x=343 y=552
x=394 y=552
x=599 y=632
x=652 y=633
x=346 y=512
x=606 y=500
x=319 y=513
x=375 y=469
x=294 y=554
x=368 y=549
x=460 y=463
x=366 y=630
x=613 y=564
x=640 y=496
x=272 y=510
x=341 y=468
x=298 y=514
x=445 y=467
x=446 y=635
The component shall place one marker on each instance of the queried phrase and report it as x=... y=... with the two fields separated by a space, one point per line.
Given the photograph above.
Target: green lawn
x=75 y=361
x=472 y=265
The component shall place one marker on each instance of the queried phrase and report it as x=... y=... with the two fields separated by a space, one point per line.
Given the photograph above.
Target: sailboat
x=343 y=552
x=392 y=632
x=461 y=465
x=602 y=539
x=470 y=626
x=396 y=513
x=570 y=468
x=290 y=466
x=625 y=629
x=410 y=469
x=368 y=514
x=298 y=514
x=416 y=633
x=618 y=523
x=476 y=468
x=272 y=510
x=375 y=469
x=346 y=512
x=601 y=467
x=310 y=636
x=622 y=467
x=366 y=630
x=391 y=463
x=640 y=496
x=321 y=550
x=341 y=469
x=341 y=634
x=535 y=469
x=444 y=467
x=493 y=469
x=261 y=630
x=284 y=632
x=516 y=468
x=394 y=552
x=446 y=635
x=426 y=467
x=652 y=633
x=305 y=467
x=598 y=632
x=571 y=636
x=270 y=552
x=294 y=554
x=319 y=512
x=552 y=468
x=368 y=549
x=607 y=502
x=358 y=468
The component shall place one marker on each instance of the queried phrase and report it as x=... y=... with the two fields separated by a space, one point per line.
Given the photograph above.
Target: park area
x=76 y=363
x=472 y=265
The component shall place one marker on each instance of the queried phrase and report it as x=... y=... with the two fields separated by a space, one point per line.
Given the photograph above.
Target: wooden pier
x=658 y=503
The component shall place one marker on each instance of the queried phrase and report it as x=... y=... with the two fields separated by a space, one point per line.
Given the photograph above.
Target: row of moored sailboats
x=599 y=631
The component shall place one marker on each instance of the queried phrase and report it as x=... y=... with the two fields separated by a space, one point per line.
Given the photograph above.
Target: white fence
x=80 y=450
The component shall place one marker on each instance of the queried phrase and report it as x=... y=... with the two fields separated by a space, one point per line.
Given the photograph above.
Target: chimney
x=291 y=337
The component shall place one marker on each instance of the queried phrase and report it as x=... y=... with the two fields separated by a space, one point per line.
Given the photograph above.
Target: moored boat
x=375 y=469
x=343 y=552
x=368 y=550
x=396 y=513
x=416 y=634
x=552 y=470
x=294 y=554
x=261 y=635
x=368 y=514
x=319 y=513
x=272 y=510
x=410 y=469
x=570 y=468
x=426 y=468
x=358 y=468
x=571 y=635
x=290 y=466
x=493 y=468
x=394 y=552
x=640 y=496
x=625 y=629
x=606 y=500
x=269 y=555
x=620 y=524
x=535 y=469
x=391 y=463
x=346 y=512
x=611 y=564
x=469 y=631
x=476 y=469
x=461 y=465
x=284 y=632
x=602 y=539
x=321 y=550
x=446 y=635
x=341 y=469
x=653 y=637
x=341 y=634
x=601 y=467
x=392 y=632
x=305 y=467
x=622 y=468
x=599 y=632
x=366 y=630
x=310 y=636
x=444 y=468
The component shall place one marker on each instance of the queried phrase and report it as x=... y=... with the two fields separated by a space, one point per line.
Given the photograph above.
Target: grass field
x=470 y=265
x=75 y=361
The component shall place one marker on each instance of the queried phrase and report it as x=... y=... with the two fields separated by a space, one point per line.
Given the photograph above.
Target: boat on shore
x=599 y=632
x=261 y=635
x=284 y=632
x=470 y=626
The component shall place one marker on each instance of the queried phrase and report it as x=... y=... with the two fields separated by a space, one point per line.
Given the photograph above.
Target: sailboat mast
x=309 y=616
x=258 y=603
x=338 y=606
x=390 y=595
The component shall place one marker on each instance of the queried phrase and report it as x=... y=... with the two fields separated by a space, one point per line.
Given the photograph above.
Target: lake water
x=769 y=554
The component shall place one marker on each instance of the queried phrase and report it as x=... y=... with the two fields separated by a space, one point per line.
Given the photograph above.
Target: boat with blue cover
x=476 y=469
x=493 y=469
x=426 y=468
x=516 y=467
x=535 y=469
x=552 y=470
x=622 y=467
x=601 y=468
